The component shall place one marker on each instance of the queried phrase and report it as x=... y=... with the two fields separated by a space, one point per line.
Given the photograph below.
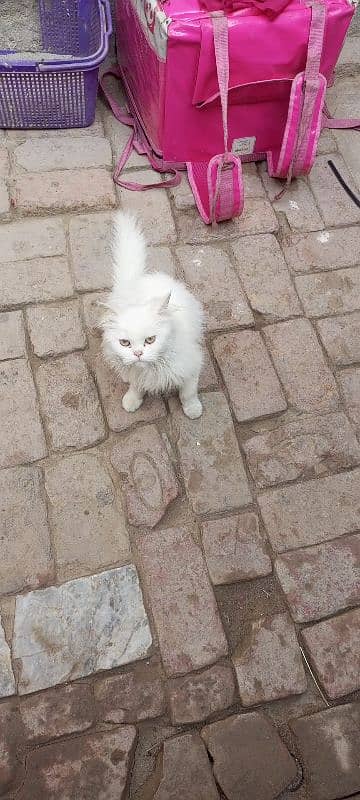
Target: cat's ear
x=161 y=303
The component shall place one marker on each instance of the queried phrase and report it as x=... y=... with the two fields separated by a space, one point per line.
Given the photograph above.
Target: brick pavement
x=160 y=579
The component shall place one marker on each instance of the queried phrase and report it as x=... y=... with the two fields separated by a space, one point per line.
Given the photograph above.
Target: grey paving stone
x=55 y=329
x=7 y=680
x=22 y=437
x=334 y=648
x=90 y=624
x=12 y=337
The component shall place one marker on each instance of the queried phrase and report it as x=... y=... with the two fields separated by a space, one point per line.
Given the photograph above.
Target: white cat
x=153 y=327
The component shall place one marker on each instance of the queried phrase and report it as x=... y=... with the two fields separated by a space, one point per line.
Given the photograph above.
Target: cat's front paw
x=131 y=401
x=193 y=409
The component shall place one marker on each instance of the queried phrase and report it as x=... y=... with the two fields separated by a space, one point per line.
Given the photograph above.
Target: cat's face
x=139 y=334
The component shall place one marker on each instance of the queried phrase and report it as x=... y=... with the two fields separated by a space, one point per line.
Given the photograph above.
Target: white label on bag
x=245 y=146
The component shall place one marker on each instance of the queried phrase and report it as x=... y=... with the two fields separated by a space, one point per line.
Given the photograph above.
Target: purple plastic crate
x=58 y=94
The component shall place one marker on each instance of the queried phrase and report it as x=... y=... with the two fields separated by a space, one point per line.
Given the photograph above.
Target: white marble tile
x=7 y=680
x=89 y=624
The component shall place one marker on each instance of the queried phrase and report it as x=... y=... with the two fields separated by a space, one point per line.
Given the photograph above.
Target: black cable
x=344 y=184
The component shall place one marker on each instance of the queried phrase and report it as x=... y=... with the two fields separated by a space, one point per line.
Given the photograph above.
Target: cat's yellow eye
x=124 y=342
x=150 y=340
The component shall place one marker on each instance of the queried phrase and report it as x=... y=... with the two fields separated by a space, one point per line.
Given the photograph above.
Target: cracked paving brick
x=235 y=549
x=89 y=766
x=311 y=512
x=249 y=375
x=249 y=758
x=265 y=277
x=57 y=712
x=331 y=292
x=25 y=554
x=182 y=600
x=301 y=366
x=223 y=299
x=131 y=696
x=88 y=524
x=22 y=434
x=268 y=662
x=323 y=250
x=182 y=770
x=334 y=649
x=329 y=744
x=321 y=580
x=341 y=338
x=147 y=476
x=69 y=402
x=211 y=463
x=196 y=697
x=307 y=446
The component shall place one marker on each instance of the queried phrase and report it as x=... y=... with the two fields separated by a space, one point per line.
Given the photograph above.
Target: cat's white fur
x=143 y=305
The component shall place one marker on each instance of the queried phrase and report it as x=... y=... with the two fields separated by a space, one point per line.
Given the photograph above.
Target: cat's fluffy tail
x=128 y=249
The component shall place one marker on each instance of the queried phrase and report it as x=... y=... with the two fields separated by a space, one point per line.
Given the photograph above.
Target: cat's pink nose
x=138 y=353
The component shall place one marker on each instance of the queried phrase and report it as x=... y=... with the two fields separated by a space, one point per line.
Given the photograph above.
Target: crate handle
x=107 y=14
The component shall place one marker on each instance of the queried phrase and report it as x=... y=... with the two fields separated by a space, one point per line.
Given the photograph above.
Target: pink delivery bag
x=212 y=83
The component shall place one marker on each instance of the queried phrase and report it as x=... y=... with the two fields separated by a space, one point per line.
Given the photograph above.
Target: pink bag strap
x=138 y=141
x=338 y=124
x=218 y=185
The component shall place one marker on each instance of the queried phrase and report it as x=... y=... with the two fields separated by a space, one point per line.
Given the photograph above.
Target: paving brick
x=57 y=712
x=208 y=377
x=182 y=601
x=329 y=743
x=341 y=338
x=321 y=580
x=68 y=190
x=334 y=649
x=308 y=446
x=196 y=697
x=147 y=477
x=182 y=195
x=93 y=311
x=223 y=298
x=80 y=627
x=69 y=403
x=24 y=537
x=257 y=217
x=34 y=281
x=311 y=512
x=7 y=679
x=350 y=54
x=235 y=549
x=326 y=142
x=350 y=385
x=22 y=437
x=161 y=259
x=297 y=203
x=182 y=771
x=112 y=390
x=29 y=239
x=325 y=250
x=4 y=162
x=211 y=463
x=250 y=759
x=4 y=198
x=55 y=329
x=265 y=277
x=343 y=98
x=12 y=338
x=268 y=663
x=91 y=765
x=11 y=771
x=118 y=136
x=348 y=147
x=90 y=242
x=95 y=129
x=301 y=366
x=131 y=696
x=335 y=205
x=330 y=292
x=153 y=208
x=88 y=525
x=249 y=375
x=43 y=155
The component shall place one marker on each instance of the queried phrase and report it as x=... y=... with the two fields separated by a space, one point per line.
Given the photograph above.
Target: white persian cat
x=153 y=327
